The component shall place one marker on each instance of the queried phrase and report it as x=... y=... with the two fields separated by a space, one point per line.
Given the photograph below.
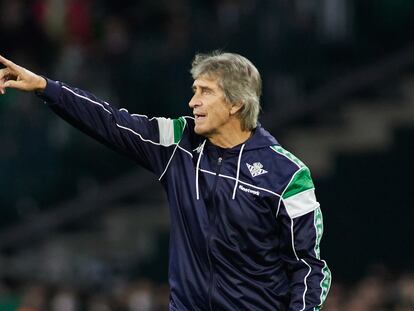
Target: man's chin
x=199 y=130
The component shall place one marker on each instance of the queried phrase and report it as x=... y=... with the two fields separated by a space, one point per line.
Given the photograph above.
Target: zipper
x=211 y=283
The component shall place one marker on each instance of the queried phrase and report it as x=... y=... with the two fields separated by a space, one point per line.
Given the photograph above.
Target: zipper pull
x=219 y=160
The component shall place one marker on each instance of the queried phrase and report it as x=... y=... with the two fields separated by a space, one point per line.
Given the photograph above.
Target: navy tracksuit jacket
x=245 y=223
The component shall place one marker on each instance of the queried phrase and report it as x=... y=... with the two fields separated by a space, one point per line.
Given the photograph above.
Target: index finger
x=7 y=63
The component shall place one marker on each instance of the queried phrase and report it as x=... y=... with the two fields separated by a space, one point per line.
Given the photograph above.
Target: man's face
x=211 y=111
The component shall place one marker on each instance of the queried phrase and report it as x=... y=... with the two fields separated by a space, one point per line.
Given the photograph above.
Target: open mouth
x=199 y=116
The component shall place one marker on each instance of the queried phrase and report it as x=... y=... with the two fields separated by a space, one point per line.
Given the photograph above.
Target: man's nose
x=194 y=102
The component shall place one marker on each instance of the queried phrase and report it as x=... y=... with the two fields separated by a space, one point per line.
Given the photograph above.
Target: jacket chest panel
x=236 y=202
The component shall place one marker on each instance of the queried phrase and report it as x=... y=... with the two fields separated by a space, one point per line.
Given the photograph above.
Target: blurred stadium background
x=82 y=228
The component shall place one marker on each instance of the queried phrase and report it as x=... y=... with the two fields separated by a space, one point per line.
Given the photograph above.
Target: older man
x=245 y=224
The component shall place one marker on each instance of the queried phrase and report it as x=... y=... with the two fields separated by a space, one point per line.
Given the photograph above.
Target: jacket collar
x=260 y=138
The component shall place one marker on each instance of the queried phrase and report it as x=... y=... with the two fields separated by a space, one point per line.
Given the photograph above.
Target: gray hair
x=237 y=77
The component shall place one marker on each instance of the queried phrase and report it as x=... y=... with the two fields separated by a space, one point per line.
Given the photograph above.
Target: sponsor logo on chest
x=248 y=190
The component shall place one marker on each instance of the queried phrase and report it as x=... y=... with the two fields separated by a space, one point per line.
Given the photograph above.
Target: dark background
x=317 y=58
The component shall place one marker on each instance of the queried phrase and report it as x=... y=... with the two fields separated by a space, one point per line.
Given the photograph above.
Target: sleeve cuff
x=52 y=91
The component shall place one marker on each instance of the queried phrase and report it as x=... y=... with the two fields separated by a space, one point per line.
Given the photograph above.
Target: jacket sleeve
x=302 y=229
x=150 y=142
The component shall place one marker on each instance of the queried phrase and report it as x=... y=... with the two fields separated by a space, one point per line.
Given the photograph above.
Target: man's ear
x=236 y=108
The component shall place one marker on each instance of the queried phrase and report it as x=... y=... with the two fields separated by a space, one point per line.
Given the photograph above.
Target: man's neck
x=230 y=139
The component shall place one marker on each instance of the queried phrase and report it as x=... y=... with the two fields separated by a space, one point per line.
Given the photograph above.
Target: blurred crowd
x=374 y=292
x=139 y=295
x=378 y=291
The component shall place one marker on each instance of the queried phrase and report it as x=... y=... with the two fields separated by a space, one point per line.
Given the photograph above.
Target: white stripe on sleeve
x=301 y=203
x=166 y=128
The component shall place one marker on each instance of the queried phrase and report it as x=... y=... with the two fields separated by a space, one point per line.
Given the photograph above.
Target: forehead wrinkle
x=211 y=84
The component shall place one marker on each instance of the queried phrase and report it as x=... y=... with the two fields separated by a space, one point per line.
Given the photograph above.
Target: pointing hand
x=16 y=77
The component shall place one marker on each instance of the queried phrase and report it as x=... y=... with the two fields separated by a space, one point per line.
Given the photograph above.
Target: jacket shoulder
x=290 y=157
x=296 y=174
x=299 y=193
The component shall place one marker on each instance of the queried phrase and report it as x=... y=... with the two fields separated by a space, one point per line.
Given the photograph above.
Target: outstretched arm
x=17 y=77
x=151 y=142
